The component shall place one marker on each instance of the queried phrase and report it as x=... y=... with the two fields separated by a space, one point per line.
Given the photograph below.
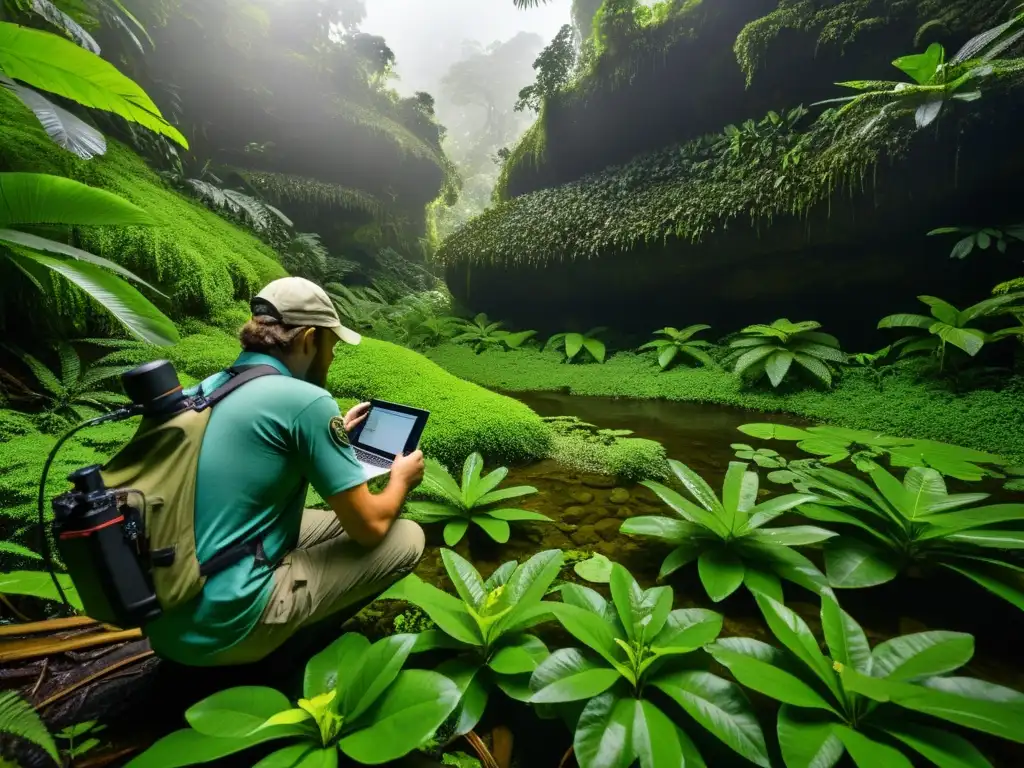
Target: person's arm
x=367 y=517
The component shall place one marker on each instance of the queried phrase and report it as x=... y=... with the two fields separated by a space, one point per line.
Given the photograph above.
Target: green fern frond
x=18 y=718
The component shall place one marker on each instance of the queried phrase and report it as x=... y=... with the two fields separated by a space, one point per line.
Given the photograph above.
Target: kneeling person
x=263 y=446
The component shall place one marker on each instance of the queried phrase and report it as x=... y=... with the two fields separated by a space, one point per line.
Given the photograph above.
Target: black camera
x=100 y=538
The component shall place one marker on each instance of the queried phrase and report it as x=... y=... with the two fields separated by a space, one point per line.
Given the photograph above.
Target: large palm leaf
x=27 y=198
x=67 y=131
x=56 y=65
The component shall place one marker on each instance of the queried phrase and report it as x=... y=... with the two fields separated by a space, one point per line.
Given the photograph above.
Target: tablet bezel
x=414 y=436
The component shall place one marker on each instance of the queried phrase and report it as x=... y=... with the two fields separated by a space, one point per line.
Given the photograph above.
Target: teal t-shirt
x=262 y=445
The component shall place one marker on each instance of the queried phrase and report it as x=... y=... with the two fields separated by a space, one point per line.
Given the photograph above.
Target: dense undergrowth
x=202 y=262
x=909 y=404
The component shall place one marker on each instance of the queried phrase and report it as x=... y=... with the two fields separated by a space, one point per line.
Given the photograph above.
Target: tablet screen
x=386 y=430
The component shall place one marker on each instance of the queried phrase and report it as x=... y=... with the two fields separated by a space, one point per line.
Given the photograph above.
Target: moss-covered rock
x=200 y=260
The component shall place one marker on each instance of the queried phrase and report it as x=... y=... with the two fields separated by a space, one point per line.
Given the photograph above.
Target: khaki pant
x=326 y=573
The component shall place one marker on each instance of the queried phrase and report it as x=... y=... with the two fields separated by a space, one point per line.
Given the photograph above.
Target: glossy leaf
x=321 y=674
x=530 y=582
x=604 y=734
x=50 y=63
x=794 y=535
x=596 y=569
x=853 y=564
x=665 y=528
x=721 y=573
x=590 y=629
x=403 y=718
x=942 y=747
x=236 y=712
x=67 y=130
x=687 y=629
x=922 y=654
x=794 y=633
x=867 y=753
x=571 y=677
x=464 y=576
x=38 y=198
x=846 y=639
x=680 y=556
x=721 y=708
x=378 y=668
x=189 y=747
x=498 y=530
x=642 y=612
x=445 y=610
x=769 y=680
x=519 y=657
x=654 y=737
x=806 y=738
x=468 y=676
x=454 y=531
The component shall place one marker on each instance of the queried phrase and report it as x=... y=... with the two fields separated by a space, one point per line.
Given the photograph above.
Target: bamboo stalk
x=93 y=677
x=21 y=650
x=53 y=625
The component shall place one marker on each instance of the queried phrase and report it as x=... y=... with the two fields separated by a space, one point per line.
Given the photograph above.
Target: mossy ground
x=910 y=403
x=201 y=261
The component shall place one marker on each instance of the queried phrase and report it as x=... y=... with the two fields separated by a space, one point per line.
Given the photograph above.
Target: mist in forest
x=428 y=37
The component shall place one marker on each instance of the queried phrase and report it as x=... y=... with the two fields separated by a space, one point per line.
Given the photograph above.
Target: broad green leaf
x=667 y=355
x=119 y=298
x=464 y=576
x=906 y=321
x=922 y=67
x=517 y=515
x=498 y=530
x=867 y=753
x=189 y=747
x=454 y=531
x=922 y=654
x=774 y=431
x=470 y=476
x=321 y=673
x=721 y=572
x=996 y=539
x=852 y=564
x=697 y=486
x=485 y=485
x=236 y=712
x=942 y=747
x=654 y=737
x=680 y=556
x=445 y=610
x=769 y=510
x=378 y=667
x=39 y=198
x=290 y=757
x=738 y=492
x=530 y=582
x=769 y=680
x=430 y=511
x=584 y=683
x=519 y=657
x=720 y=707
x=565 y=664
x=793 y=633
x=468 y=676
x=573 y=344
x=403 y=718
x=500 y=576
x=687 y=629
x=777 y=366
x=596 y=348
x=970 y=340
x=516 y=687
x=999 y=717
x=806 y=738
x=954 y=522
x=785 y=562
x=942 y=310
x=688 y=510
x=758 y=580
x=590 y=629
x=597 y=569
x=19 y=718
x=40 y=584
x=604 y=734
x=846 y=639
x=504 y=494
x=665 y=528
x=50 y=63
x=642 y=612
x=438 y=482
x=794 y=536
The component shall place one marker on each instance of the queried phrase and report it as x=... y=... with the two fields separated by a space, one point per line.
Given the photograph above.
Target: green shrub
x=585 y=448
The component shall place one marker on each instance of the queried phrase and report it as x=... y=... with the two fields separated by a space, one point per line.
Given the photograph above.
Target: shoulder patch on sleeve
x=338 y=433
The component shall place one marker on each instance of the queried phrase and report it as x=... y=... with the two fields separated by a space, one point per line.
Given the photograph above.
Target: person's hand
x=356 y=416
x=408 y=469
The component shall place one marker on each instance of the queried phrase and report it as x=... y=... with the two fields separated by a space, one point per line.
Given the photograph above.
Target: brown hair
x=266 y=334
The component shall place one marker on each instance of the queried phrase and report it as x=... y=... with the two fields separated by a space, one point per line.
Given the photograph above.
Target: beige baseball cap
x=297 y=301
